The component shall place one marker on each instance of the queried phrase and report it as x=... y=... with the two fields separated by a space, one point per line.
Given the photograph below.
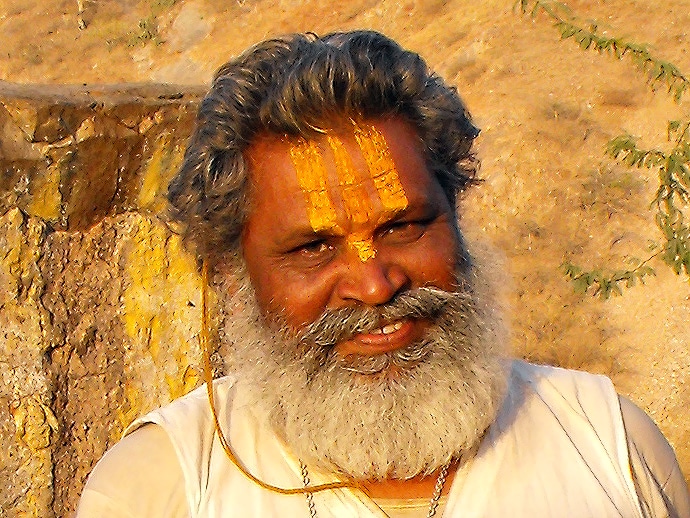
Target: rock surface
x=99 y=302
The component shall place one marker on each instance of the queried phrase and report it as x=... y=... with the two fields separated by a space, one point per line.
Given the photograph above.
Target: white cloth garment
x=558 y=448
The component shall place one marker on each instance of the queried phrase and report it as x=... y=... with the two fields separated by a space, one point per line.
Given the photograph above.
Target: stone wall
x=99 y=303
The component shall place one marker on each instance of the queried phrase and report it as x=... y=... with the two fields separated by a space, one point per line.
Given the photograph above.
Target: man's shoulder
x=574 y=383
x=565 y=394
x=139 y=476
x=193 y=407
x=542 y=371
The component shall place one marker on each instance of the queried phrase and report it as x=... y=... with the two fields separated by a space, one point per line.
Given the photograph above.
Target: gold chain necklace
x=433 y=503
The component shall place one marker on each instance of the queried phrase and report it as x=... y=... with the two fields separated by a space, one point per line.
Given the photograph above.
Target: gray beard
x=396 y=415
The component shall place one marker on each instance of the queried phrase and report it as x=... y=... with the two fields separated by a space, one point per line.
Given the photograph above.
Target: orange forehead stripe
x=312 y=178
x=377 y=155
x=355 y=198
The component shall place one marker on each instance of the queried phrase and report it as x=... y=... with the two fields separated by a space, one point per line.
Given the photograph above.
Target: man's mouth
x=393 y=326
x=381 y=340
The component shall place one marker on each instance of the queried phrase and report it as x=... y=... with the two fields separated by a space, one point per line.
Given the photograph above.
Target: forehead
x=276 y=169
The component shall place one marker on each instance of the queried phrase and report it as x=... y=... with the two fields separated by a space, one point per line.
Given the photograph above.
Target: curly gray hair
x=291 y=85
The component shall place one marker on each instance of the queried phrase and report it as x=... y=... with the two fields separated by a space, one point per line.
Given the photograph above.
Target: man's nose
x=372 y=282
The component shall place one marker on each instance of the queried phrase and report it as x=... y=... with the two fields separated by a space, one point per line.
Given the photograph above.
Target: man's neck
x=417 y=487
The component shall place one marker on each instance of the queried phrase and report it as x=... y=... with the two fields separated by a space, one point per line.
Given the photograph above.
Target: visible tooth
x=390 y=328
x=387 y=329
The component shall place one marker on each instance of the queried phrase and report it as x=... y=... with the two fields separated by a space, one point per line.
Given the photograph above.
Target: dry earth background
x=546 y=110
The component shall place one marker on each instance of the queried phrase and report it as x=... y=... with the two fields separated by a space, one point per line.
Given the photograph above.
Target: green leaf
x=580 y=285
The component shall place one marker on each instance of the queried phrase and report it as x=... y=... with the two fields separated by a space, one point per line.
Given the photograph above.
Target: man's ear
x=228 y=270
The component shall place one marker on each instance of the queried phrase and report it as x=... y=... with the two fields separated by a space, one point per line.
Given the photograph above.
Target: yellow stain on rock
x=21 y=283
x=161 y=305
x=190 y=379
x=129 y=411
x=34 y=423
x=37 y=501
x=46 y=199
x=24 y=323
x=12 y=261
x=24 y=114
x=163 y=164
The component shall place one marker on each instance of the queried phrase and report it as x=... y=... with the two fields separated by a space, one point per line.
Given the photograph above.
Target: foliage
x=674 y=188
x=605 y=283
x=147 y=32
x=148 y=27
x=588 y=37
x=673 y=165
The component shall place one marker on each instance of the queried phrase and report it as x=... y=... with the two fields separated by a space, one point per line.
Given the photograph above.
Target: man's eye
x=405 y=231
x=314 y=249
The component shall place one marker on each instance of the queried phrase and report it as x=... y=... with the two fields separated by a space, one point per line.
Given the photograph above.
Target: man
x=320 y=188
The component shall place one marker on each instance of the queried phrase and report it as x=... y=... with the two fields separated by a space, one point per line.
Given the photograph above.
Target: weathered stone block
x=74 y=155
x=125 y=300
x=27 y=421
x=98 y=303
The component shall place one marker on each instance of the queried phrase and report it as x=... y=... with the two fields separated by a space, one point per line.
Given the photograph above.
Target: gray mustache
x=337 y=325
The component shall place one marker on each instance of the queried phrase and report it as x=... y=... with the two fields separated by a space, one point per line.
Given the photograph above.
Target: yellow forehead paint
x=377 y=155
x=312 y=178
x=356 y=200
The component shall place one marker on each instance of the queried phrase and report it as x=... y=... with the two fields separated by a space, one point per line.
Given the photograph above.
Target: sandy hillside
x=546 y=110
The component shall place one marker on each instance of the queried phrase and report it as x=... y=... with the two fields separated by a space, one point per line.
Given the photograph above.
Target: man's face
x=370 y=360
x=351 y=218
